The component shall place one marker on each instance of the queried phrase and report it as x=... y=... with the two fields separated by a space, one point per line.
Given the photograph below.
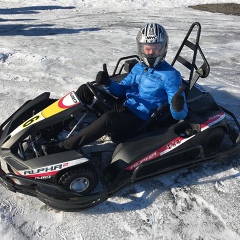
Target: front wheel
x=83 y=179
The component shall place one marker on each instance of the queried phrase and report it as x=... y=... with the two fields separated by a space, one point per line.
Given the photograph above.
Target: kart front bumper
x=53 y=195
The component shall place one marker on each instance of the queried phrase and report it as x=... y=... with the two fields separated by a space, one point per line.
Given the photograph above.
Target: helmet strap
x=151 y=62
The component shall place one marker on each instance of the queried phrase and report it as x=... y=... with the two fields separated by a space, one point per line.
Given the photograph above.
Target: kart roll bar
x=121 y=68
x=202 y=71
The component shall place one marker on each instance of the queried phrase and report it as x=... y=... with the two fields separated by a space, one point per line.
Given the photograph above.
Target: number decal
x=30 y=121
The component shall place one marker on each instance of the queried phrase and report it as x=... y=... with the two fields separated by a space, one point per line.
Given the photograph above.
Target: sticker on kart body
x=212 y=120
x=36 y=118
x=62 y=104
x=68 y=101
x=3 y=165
x=175 y=142
x=42 y=172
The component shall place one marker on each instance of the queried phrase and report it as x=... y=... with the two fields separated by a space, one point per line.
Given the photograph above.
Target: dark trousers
x=119 y=122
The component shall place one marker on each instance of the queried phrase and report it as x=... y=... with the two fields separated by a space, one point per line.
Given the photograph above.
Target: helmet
x=152 y=44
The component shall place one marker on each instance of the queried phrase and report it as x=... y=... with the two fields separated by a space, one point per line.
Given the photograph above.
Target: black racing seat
x=160 y=118
x=127 y=66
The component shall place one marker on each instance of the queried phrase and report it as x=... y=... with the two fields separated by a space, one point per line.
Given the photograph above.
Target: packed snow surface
x=58 y=45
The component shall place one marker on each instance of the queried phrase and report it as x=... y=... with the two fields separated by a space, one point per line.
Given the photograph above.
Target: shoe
x=51 y=149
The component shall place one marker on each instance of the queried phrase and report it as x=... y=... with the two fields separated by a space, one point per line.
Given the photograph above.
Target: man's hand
x=178 y=100
x=103 y=77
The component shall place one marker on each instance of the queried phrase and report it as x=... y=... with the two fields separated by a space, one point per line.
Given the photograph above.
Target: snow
x=56 y=46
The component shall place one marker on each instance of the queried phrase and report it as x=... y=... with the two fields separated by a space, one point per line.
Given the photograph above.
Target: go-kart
x=74 y=180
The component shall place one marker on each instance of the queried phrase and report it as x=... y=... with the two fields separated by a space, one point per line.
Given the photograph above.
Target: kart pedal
x=51 y=149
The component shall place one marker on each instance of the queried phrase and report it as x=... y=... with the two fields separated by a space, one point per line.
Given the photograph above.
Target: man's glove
x=178 y=100
x=103 y=77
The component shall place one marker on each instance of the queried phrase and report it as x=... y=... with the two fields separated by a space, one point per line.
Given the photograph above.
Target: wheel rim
x=79 y=184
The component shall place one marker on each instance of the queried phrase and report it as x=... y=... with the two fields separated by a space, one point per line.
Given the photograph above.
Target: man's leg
x=121 y=124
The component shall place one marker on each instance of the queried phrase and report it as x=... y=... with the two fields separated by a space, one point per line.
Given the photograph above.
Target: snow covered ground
x=49 y=45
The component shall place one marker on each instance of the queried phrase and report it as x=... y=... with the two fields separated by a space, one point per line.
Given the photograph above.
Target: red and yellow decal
x=60 y=105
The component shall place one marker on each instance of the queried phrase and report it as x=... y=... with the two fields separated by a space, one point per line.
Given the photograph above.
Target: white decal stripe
x=4 y=166
x=175 y=143
x=51 y=169
x=217 y=120
x=20 y=128
x=183 y=140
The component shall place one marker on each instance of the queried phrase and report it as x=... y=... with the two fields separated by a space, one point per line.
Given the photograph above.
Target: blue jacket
x=145 y=91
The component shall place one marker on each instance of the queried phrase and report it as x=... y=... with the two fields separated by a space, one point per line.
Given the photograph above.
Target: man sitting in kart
x=151 y=83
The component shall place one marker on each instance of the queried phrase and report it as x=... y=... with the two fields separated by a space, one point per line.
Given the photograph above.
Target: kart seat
x=160 y=118
x=127 y=66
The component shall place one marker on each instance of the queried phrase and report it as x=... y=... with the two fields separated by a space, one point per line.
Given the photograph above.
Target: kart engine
x=35 y=144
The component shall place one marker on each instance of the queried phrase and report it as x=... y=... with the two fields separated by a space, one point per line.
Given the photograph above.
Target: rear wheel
x=82 y=179
x=213 y=141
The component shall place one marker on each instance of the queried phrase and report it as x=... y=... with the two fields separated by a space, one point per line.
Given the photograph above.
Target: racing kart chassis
x=60 y=198
x=162 y=145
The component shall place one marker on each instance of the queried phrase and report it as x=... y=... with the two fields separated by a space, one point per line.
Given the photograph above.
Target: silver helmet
x=152 y=44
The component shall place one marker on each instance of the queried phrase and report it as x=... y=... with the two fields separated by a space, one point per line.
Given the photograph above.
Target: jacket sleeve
x=172 y=86
x=119 y=89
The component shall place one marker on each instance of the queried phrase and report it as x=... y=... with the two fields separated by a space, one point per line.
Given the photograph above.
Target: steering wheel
x=99 y=95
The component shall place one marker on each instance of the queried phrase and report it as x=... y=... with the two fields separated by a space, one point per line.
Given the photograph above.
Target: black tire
x=83 y=179
x=213 y=141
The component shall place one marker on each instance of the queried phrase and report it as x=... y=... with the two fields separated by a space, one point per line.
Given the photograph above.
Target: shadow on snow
x=39 y=30
x=34 y=29
x=31 y=10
